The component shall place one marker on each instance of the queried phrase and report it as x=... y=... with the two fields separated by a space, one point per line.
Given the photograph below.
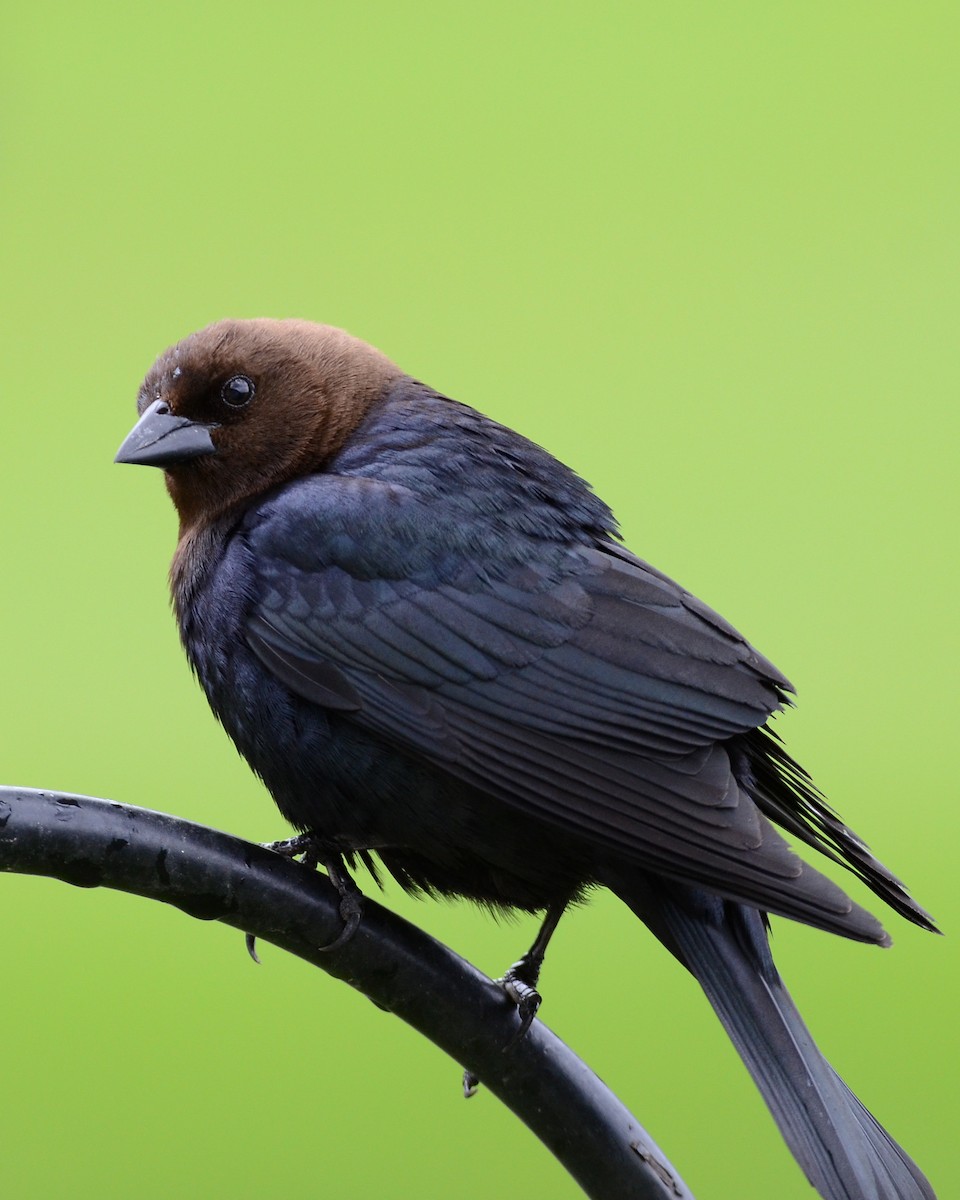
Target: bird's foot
x=520 y=984
x=351 y=910
x=312 y=852
x=351 y=900
x=304 y=846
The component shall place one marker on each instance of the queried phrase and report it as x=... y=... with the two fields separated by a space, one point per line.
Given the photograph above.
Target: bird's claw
x=351 y=900
x=351 y=910
x=304 y=846
x=520 y=984
x=312 y=853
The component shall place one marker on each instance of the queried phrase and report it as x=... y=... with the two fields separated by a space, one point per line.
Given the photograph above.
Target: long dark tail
x=843 y=1151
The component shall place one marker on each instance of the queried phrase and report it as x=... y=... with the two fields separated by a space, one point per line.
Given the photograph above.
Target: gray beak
x=159 y=439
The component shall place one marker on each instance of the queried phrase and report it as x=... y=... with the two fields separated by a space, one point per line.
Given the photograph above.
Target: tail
x=844 y=1152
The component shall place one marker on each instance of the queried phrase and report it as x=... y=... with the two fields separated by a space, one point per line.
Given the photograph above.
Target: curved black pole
x=213 y=876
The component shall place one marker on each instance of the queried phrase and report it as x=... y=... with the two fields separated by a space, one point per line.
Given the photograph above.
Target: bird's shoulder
x=448 y=454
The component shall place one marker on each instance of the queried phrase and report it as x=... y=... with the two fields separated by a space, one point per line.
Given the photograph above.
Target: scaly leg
x=520 y=981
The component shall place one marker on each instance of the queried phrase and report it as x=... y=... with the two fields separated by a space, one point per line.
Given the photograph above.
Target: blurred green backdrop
x=706 y=253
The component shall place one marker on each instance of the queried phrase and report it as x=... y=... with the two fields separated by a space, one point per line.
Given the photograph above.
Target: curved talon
x=350 y=912
x=471 y=1084
x=528 y=1012
x=351 y=909
x=312 y=853
x=251 y=942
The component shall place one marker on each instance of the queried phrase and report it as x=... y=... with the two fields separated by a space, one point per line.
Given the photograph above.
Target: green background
x=706 y=253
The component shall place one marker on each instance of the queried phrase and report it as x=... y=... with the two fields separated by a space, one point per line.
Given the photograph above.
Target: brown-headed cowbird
x=421 y=631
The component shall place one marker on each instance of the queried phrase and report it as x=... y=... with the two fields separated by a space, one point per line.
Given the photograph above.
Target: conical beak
x=160 y=439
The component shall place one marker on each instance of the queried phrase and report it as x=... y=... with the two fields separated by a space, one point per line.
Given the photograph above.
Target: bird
x=426 y=636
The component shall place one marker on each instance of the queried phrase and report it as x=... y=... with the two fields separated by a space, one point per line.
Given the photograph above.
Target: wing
x=572 y=681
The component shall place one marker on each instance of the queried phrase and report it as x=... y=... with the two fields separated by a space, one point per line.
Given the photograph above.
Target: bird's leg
x=313 y=852
x=520 y=981
x=351 y=899
x=520 y=984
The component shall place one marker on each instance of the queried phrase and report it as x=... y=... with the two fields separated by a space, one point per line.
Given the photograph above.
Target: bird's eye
x=237 y=391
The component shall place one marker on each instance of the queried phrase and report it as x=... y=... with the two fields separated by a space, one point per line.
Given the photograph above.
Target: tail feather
x=845 y=1153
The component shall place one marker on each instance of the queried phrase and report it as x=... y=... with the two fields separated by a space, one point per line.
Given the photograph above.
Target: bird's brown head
x=242 y=406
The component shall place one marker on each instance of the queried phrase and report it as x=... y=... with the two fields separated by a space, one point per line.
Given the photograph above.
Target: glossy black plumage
x=421 y=632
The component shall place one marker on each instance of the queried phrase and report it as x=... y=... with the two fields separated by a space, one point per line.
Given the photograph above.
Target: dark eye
x=237 y=391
